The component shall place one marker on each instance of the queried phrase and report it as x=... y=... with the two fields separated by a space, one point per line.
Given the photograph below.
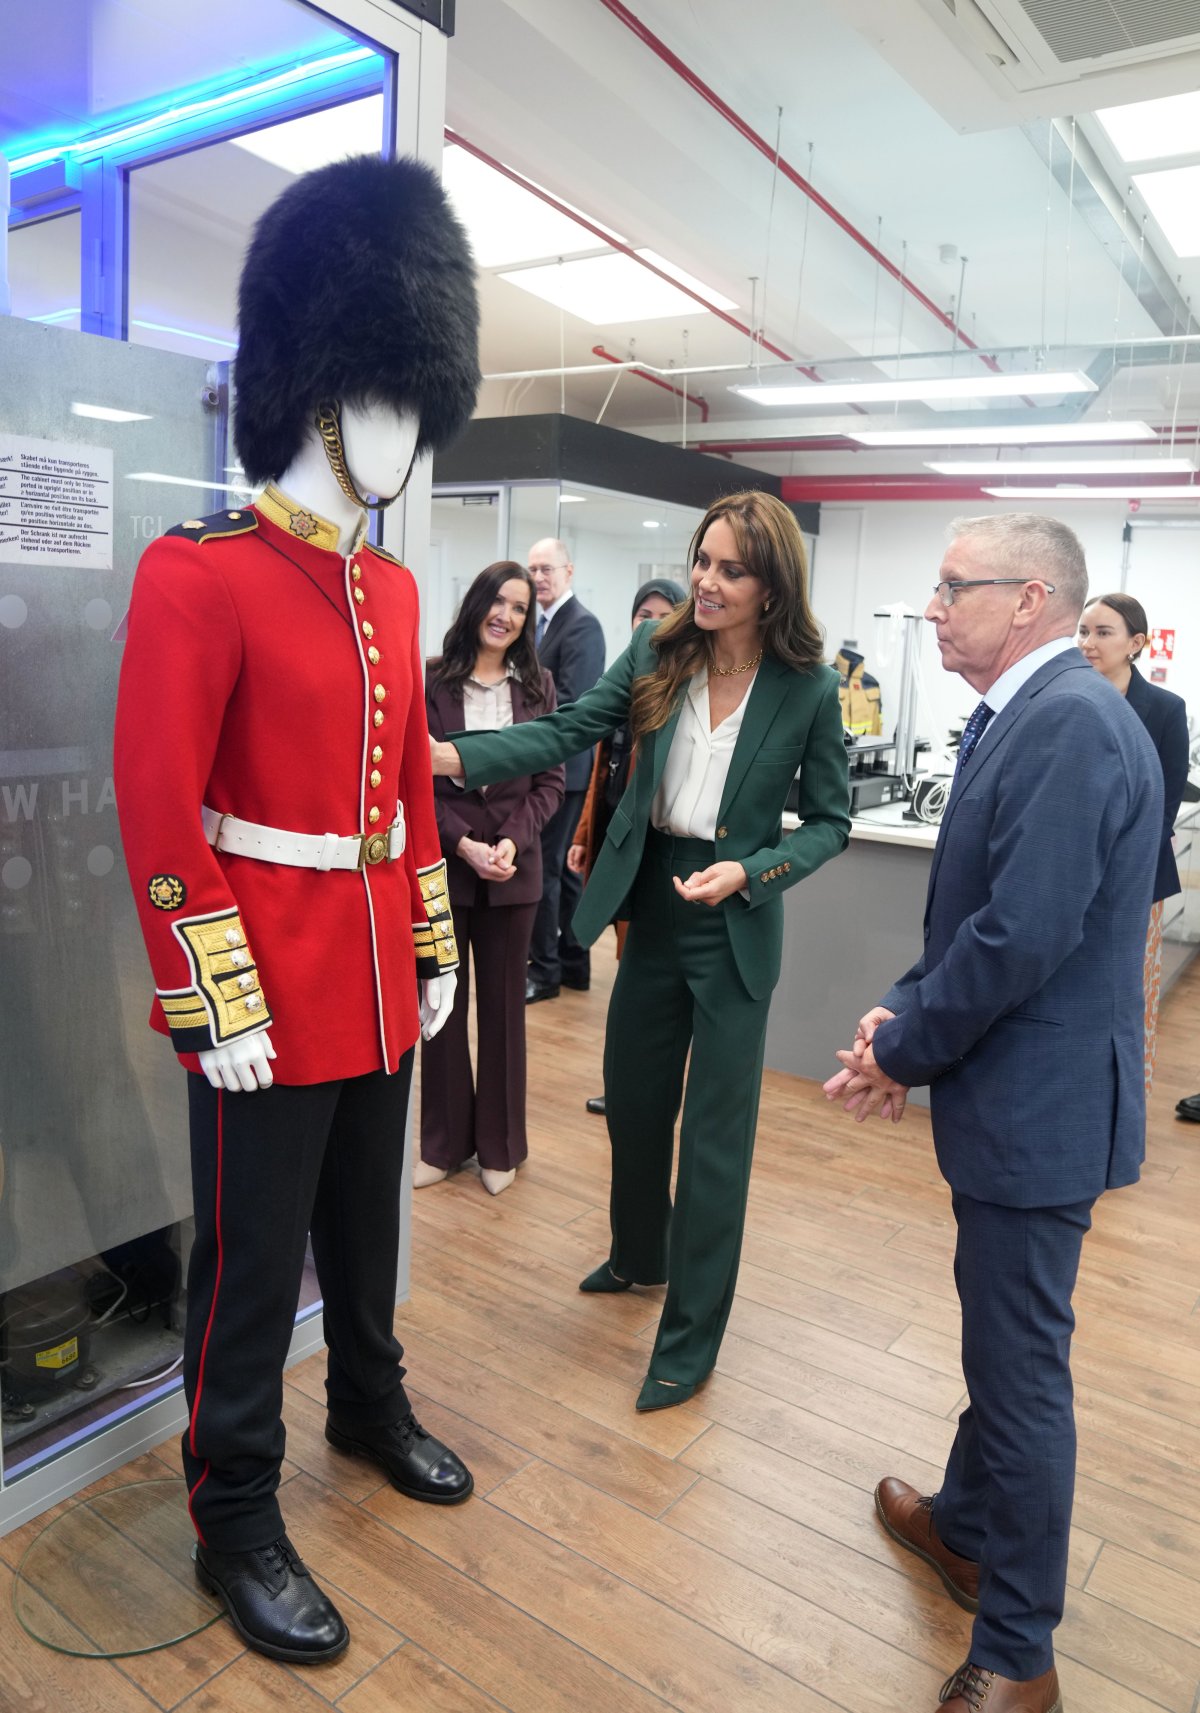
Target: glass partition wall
x=616 y=542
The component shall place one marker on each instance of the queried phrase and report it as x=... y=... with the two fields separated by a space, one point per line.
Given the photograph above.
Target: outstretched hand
x=711 y=885
x=447 y=763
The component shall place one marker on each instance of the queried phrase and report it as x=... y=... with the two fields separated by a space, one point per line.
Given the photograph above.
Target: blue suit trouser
x=1010 y=1481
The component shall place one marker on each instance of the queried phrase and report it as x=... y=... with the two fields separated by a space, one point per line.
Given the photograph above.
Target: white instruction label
x=56 y=503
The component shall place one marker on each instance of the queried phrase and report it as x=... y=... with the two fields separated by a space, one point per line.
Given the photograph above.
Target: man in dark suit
x=1025 y=1015
x=570 y=645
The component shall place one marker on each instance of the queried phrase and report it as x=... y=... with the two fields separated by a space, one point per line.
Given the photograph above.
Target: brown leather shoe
x=908 y=1518
x=973 y=1689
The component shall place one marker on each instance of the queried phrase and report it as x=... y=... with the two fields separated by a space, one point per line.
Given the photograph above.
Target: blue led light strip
x=185 y=115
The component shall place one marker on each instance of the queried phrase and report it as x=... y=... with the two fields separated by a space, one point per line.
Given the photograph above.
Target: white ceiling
x=892 y=109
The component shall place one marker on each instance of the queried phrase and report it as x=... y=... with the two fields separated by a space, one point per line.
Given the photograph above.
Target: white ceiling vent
x=1083 y=37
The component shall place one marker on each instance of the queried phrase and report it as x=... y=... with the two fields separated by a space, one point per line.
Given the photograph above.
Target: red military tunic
x=268 y=678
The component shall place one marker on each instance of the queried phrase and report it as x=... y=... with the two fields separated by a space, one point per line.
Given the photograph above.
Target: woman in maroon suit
x=487 y=679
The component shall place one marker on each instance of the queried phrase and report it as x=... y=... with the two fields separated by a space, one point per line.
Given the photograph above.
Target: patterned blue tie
x=540 y=632
x=972 y=732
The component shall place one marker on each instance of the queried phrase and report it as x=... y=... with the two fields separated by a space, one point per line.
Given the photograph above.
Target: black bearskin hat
x=358 y=284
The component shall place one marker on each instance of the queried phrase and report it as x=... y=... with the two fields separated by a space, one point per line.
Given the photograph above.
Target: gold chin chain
x=732 y=671
x=329 y=427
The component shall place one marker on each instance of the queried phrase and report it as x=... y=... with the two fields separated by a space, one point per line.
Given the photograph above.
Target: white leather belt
x=304 y=850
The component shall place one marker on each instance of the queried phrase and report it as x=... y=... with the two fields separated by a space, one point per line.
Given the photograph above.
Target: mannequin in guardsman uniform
x=274 y=786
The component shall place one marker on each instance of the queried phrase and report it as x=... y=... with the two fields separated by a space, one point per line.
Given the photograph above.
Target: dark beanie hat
x=358 y=284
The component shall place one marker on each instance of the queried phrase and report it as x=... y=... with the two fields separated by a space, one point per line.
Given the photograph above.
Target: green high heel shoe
x=662 y=1394
x=604 y=1279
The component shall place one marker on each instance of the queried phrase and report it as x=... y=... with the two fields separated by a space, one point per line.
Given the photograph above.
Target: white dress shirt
x=1021 y=671
x=688 y=799
x=487 y=707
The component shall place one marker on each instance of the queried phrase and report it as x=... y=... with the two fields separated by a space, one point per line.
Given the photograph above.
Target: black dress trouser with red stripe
x=268 y=1168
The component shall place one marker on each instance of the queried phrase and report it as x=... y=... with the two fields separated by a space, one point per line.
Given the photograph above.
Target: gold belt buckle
x=372 y=849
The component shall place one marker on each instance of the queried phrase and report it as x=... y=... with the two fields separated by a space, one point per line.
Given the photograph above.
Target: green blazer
x=792 y=723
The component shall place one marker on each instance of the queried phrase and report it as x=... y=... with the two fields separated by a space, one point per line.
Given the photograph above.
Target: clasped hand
x=711 y=885
x=863 y=1086
x=491 y=862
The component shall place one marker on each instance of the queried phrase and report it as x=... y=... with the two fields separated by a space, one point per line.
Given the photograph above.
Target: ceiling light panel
x=605 y=290
x=316 y=139
x=1154 y=130
x=1078 y=491
x=1009 y=434
x=506 y=224
x=960 y=387
x=685 y=279
x=1064 y=467
x=108 y=413
x=1173 y=197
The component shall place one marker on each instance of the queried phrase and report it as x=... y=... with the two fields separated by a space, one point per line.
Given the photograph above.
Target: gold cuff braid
x=433 y=939
x=225 y=999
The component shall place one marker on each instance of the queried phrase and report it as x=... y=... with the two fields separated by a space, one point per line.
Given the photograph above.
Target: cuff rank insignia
x=433 y=939
x=225 y=999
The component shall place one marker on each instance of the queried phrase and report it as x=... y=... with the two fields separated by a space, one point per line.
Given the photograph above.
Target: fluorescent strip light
x=572 y=499
x=316 y=139
x=1065 y=467
x=1078 y=491
x=105 y=413
x=177 y=116
x=821 y=394
x=605 y=290
x=1007 y=434
x=1153 y=130
x=651 y=523
x=1173 y=197
x=186 y=482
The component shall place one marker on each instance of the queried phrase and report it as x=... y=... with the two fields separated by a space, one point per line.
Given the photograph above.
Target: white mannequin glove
x=437 y=998
x=241 y=1066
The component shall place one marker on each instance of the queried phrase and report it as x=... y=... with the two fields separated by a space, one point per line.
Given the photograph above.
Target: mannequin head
x=379 y=443
x=382 y=313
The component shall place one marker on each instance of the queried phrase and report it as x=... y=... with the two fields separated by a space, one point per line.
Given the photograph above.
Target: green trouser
x=678 y=987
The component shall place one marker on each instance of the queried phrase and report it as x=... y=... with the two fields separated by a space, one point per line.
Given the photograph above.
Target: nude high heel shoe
x=424 y=1174
x=495 y=1183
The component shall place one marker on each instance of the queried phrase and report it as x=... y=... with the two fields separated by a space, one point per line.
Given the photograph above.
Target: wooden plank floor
x=722 y=1555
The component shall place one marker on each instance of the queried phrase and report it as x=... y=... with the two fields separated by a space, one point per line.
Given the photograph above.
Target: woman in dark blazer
x=728 y=701
x=487 y=679
x=1112 y=634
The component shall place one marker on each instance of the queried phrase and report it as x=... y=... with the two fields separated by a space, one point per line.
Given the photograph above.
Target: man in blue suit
x=1024 y=1014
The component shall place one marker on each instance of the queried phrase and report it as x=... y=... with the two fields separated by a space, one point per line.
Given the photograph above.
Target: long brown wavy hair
x=771 y=547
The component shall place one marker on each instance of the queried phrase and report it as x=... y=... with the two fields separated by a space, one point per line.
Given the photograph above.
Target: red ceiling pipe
x=643 y=375
x=694 y=81
x=611 y=239
x=800 y=489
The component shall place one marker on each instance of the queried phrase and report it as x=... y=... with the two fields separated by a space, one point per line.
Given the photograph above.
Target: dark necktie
x=540 y=632
x=972 y=732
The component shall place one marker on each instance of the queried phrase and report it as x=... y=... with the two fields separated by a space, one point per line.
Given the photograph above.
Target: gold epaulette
x=225 y=999
x=433 y=939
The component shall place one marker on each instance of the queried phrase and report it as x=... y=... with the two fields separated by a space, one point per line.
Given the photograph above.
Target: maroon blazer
x=515 y=809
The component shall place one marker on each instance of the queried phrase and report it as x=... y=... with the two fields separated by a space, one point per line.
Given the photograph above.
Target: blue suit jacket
x=1025 y=1012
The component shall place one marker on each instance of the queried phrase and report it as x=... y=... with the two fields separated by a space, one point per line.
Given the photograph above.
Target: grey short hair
x=1025 y=544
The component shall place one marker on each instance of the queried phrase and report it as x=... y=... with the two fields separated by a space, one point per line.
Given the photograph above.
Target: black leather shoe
x=535 y=990
x=1189 y=1108
x=273 y=1602
x=416 y=1464
x=596 y=1105
x=577 y=983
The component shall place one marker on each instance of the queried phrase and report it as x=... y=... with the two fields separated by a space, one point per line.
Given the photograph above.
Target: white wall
x=872 y=555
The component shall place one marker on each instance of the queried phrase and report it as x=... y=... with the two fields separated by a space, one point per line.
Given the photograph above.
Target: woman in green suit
x=727 y=701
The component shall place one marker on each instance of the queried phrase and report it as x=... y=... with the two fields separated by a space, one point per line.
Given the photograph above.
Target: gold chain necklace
x=732 y=671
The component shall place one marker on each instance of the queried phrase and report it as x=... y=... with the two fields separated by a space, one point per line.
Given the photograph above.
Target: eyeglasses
x=946 y=590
